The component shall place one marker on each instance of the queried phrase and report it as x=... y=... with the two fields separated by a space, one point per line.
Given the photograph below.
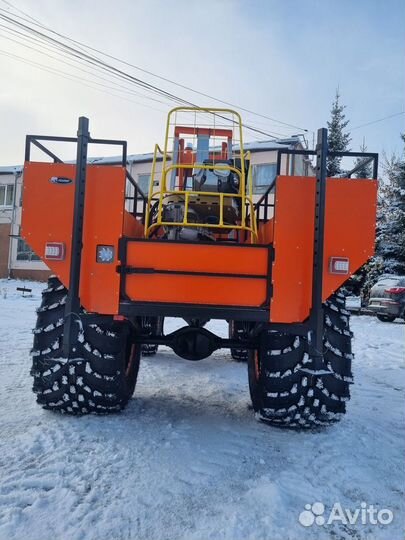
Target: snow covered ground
x=187 y=460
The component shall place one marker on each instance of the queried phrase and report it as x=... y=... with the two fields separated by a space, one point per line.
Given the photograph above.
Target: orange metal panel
x=47 y=216
x=351 y=206
x=349 y=232
x=293 y=248
x=197 y=289
x=198 y=257
x=265 y=232
x=206 y=290
x=47 y=211
x=103 y=224
x=132 y=226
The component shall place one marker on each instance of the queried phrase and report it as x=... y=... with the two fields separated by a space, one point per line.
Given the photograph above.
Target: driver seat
x=215 y=180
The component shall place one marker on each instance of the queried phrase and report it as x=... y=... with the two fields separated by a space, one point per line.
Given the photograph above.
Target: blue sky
x=283 y=59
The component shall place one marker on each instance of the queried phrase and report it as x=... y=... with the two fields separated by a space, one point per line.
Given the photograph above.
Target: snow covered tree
x=365 y=171
x=338 y=139
x=371 y=271
x=360 y=283
x=391 y=234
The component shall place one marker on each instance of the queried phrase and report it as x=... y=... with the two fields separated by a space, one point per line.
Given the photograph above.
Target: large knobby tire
x=237 y=330
x=284 y=389
x=102 y=376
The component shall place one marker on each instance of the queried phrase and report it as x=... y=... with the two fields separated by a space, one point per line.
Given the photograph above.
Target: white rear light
x=339 y=265
x=55 y=251
x=105 y=254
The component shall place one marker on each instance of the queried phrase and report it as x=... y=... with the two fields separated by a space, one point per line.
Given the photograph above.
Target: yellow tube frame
x=163 y=192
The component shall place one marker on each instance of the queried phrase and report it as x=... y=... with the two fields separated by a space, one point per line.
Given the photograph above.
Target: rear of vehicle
x=197 y=247
x=387 y=298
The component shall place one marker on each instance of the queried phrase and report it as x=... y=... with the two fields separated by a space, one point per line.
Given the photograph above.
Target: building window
x=7 y=195
x=263 y=175
x=24 y=252
x=143 y=183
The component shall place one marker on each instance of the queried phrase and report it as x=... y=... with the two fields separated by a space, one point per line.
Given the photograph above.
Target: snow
x=353 y=303
x=187 y=459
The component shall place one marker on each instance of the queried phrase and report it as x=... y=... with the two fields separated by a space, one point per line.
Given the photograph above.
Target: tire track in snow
x=186 y=459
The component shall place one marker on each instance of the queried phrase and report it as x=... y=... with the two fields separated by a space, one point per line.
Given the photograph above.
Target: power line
x=21 y=11
x=83 y=81
x=379 y=120
x=73 y=78
x=37 y=23
x=113 y=70
x=120 y=87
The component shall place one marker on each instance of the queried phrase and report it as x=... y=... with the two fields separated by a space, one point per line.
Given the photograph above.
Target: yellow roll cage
x=247 y=221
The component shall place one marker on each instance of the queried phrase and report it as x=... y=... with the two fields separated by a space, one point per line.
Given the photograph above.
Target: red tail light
x=395 y=290
x=339 y=265
x=55 y=251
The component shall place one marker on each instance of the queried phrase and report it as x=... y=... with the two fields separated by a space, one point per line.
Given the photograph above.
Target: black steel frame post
x=72 y=307
x=317 y=315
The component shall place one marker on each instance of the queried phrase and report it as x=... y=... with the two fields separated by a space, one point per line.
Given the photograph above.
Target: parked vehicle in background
x=387 y=298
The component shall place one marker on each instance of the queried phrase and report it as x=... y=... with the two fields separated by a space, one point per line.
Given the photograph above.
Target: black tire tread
x=286 y=394
x=95 y=381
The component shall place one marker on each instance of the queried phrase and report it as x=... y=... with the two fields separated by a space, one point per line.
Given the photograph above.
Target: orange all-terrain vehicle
x=198 y=246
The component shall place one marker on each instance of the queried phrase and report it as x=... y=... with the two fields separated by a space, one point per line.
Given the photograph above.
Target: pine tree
x=365 y=171
x=372 y=270
x=391 y=236
x=337 y=137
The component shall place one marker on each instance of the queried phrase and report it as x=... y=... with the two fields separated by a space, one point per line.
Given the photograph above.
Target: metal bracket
x=72 y=307
x=316 y=318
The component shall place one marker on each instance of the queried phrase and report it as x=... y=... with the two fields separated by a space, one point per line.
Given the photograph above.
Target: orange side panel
x=47 y=211
x=293 y=248
x=351 y=206
x=47 y=216
x=349 y=232
x=197 y=258
x=133 y=228
x=265 y=232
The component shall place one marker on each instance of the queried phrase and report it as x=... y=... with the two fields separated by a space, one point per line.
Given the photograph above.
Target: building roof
x=12 y=169
x=253 y=146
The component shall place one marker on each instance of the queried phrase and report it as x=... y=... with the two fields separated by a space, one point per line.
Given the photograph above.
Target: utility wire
x=120 y=87
x=112 y=57
x=84 y=81
x=379 y=120
x=113 y=70
x=73 y=78
x=23 y=12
